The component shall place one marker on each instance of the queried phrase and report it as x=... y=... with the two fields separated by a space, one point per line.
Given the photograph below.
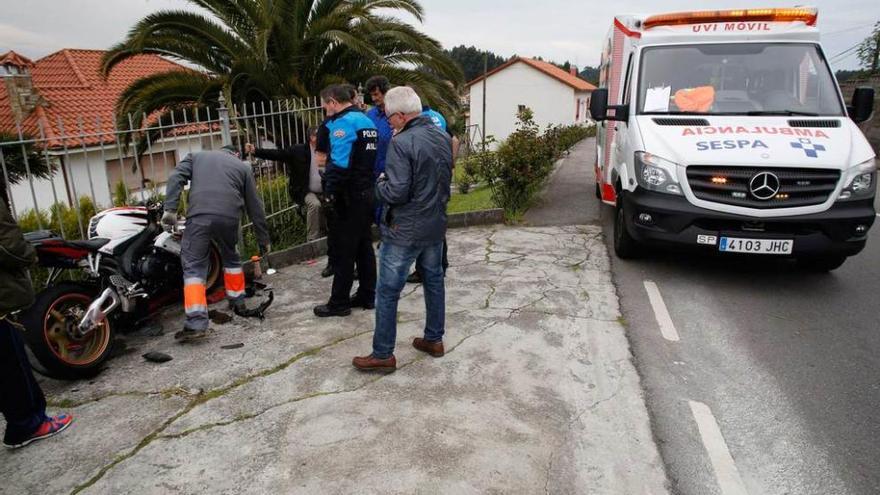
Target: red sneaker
x=49 y=428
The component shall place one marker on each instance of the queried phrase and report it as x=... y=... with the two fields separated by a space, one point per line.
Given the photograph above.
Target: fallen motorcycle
x=128 y=268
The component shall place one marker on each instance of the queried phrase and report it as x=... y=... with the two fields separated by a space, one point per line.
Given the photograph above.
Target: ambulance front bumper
x=664 y=219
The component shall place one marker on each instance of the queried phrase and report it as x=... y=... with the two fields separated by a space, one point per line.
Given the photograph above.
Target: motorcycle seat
x=91 y=244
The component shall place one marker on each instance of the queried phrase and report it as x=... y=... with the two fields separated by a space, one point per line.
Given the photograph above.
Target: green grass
x=479 y=198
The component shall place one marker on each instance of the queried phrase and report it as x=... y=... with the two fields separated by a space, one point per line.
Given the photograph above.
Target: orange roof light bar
x=807 y=15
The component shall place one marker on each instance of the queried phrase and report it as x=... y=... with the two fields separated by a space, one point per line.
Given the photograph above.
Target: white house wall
x=552 y=101
x=79 y=163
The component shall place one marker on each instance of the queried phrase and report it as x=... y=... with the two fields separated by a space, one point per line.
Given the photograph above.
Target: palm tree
x=258 y=50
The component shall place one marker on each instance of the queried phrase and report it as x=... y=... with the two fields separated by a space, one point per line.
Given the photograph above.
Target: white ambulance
x=726 y=131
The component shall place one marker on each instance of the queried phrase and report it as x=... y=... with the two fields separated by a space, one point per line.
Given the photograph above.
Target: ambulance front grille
x=734 y=186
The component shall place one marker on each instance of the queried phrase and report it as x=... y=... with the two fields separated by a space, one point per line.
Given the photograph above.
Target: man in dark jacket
x=304 y=177
x=221 y=187
x=21 y=399
x=303 y=182
x=415 y=191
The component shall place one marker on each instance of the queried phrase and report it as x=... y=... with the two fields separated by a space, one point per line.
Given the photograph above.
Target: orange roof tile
x=12 y=58
x=73 y=91
x=551 y=70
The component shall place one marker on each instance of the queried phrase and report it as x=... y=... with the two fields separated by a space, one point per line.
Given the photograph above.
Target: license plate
x=755 y=246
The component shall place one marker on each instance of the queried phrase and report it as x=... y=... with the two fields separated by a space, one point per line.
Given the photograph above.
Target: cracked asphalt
x=537 y=392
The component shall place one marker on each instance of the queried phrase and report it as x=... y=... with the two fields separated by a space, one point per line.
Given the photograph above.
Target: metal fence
x=59 y=173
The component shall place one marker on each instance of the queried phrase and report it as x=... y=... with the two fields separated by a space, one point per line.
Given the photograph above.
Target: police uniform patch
x=339 y=133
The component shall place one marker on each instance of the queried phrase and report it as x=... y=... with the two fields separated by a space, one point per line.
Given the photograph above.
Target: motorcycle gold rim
x=71 y=351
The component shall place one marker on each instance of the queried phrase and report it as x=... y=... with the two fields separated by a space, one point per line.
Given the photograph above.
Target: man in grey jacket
x=415 y=191
x=221 y=186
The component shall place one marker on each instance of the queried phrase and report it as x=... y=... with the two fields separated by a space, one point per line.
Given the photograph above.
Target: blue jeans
x=394 y=264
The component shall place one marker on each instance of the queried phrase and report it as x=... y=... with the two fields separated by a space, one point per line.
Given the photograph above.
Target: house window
x=153 y=167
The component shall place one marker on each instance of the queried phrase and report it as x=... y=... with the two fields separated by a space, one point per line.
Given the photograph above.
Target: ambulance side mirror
x=599 y=104
x=862 y=105
x=599 y=107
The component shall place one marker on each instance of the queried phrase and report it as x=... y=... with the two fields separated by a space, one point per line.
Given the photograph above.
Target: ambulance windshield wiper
x=675 y=112
x=781 y=112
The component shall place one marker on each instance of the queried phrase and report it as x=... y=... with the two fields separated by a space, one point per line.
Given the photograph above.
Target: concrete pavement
x=771 y=387
x=537 y=392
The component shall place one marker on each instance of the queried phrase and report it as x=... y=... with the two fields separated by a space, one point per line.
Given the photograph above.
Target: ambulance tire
x=625 y=247
x=821 y=264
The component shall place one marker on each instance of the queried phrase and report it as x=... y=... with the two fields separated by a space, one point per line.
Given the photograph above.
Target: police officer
x=221 y=186
x=347 y=140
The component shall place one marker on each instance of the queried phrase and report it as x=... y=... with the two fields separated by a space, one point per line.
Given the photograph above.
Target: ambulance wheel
x=625 y=247
x=821 y=264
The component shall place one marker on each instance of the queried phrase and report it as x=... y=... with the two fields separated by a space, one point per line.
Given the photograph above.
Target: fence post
x=224 y=121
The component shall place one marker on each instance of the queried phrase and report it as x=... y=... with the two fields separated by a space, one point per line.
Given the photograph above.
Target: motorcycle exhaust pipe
x=98 y=311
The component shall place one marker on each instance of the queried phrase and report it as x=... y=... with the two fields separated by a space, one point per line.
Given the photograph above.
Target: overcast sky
x=558 y=30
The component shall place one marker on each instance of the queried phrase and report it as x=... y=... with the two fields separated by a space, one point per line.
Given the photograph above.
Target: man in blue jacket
x=415 y=191
x=377 y=87
x=347 y=141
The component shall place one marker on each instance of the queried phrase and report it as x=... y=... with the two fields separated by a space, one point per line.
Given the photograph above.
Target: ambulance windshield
x=737 y=79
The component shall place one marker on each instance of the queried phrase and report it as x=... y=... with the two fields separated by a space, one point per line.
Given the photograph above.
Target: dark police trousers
x=350 y=235
x=21 y=400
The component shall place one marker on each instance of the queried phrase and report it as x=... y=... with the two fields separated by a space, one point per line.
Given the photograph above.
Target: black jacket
x=16 y=255
x=298 y=159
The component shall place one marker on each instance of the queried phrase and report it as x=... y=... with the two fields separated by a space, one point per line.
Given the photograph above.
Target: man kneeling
x=415 y=191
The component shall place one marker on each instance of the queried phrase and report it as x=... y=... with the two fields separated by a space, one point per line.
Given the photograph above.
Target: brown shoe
x=369 y=363
x=433 y=348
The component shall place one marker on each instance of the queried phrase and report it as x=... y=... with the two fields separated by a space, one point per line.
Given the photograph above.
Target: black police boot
x=414 y=278
x=325 y=310
x=362 y=302
x=327 y=272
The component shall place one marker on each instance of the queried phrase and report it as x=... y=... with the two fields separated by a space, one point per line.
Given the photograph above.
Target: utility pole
x=485 y=72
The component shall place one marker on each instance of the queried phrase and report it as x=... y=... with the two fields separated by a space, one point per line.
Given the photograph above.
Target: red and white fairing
x=118 y=225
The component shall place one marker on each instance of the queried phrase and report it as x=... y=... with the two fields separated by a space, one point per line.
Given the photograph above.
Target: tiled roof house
x=64 y=94
x=554 y=95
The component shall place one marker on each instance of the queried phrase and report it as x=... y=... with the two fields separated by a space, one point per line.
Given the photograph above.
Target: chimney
x=16 y=73
x=573 y=71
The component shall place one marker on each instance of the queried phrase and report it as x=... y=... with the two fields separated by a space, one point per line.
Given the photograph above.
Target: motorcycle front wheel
x=49 y=325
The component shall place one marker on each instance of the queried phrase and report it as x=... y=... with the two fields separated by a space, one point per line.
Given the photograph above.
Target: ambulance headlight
x=656 y=174
x=861 y=182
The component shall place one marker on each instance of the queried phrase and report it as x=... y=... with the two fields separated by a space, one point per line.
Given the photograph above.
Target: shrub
x=120 y=195
x=286 y=228
x=467 y=172
x=520 y=166
x=60 y=218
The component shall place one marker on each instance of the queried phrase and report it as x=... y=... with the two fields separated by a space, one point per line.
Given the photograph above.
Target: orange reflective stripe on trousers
x=194 y=299
x=233 y=279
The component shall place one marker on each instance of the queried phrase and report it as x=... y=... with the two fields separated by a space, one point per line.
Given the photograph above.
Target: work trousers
x=351 y=241
x=195 y=255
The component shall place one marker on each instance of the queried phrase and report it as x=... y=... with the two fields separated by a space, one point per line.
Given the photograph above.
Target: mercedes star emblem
x=764 y=186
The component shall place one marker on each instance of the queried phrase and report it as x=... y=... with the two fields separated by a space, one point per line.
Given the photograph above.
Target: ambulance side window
x=628 y=83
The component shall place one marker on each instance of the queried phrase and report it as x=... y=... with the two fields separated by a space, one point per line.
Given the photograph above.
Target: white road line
x=725 y=469
x=667 y=328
